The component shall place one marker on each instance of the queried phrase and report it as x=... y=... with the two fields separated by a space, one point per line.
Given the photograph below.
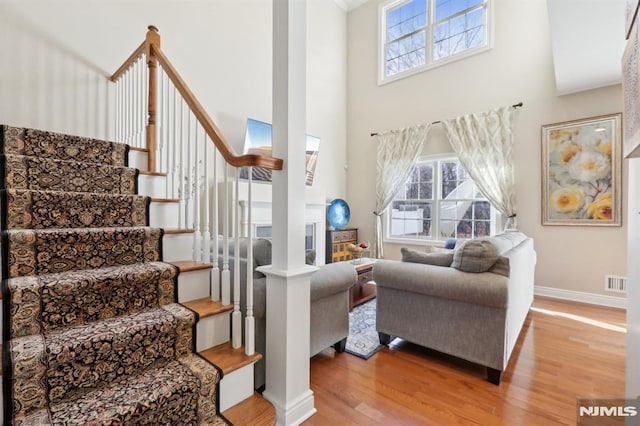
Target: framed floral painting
x=581 y=172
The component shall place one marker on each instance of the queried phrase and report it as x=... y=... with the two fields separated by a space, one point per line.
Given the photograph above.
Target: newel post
x=153 y=43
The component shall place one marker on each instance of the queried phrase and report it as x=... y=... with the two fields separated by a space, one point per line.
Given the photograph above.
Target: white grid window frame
x=435 y=202
x=425 y=31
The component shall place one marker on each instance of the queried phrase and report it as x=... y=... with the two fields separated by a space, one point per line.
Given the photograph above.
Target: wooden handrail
x=151 y=47
x=212 y=130
x=130 y=60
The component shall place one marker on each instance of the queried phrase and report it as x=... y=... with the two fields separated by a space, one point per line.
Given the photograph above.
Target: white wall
x=518 y=68
x=57 y=54
x=633 y=268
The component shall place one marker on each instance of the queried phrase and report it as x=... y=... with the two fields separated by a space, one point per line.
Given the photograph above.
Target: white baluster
x=215 y=270
x=188 y=215
x=127 y=105
x=117 y=126
x=174 y=145
x=141 y=103
x=249 y=321
x=164 y=166
x=171 y=140
x=226 y=290
x=197 y=235
x=180 y=171
x=236 y=316
x=160 y=122
x=136 y=105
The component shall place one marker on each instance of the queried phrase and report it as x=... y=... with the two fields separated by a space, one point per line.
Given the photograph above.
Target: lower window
x=438 y=201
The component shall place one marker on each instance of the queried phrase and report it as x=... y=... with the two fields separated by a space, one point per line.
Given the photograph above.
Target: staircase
x=105 y=320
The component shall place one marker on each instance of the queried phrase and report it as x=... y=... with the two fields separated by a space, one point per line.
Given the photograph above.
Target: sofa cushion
x=448 y=283
x=436 y=258
x=262 y=252
x=475 y=255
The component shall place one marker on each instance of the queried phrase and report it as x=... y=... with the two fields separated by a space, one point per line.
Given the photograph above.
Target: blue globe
x=338 y=213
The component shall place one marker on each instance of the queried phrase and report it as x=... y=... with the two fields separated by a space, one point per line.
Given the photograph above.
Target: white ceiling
x=587 y=40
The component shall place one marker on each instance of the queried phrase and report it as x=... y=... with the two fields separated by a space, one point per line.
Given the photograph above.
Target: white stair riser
x=236 y=387
x=163 y=214
x=177 y=247
x=138 y=160
x=194 y=285
x=153 y=186
x=212 y=331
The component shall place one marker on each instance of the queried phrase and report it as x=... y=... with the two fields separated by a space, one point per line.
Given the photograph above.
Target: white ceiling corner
x=349 y=5
x=587 y=40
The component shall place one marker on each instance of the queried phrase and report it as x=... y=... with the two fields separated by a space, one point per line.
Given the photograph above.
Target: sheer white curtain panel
x=484 y=144
x=397 y=153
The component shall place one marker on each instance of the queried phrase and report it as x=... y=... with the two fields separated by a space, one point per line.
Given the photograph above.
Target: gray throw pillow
x=501 y=267
x=437 y=259
x=476 y=255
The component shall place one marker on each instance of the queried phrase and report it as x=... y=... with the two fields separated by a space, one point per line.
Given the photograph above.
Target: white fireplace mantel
x=261 y=214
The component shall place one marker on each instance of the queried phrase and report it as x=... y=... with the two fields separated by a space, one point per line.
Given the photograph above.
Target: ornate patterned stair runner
x=92 y=331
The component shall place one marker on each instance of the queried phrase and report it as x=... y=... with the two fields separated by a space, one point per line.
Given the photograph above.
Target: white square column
x=288 y=290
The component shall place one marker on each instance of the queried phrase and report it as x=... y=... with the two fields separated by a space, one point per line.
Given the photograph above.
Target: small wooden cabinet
x=336 y=247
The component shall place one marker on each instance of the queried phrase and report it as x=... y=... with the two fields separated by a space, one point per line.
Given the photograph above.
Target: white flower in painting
x=597 y=136
x=589 y=166
x=559 y=175
x=589 y=136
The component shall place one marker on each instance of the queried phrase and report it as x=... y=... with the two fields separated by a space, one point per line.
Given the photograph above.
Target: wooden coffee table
x=365 y=288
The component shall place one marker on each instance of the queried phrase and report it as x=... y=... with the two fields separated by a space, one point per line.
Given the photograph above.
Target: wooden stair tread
x=133 y=148
x=255 y=411
x=206 y=307
x=165 y=200
x=173 y=231
x=147 y=173
x=229 y=359
x=190 y=265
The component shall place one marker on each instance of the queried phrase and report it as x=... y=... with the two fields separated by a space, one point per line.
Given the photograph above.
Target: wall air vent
x=615 y=283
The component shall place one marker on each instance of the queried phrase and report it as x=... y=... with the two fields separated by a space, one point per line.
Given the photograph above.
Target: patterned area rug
x=363 y=338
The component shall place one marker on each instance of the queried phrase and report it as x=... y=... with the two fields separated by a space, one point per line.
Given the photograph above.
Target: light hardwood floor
x=565 y=350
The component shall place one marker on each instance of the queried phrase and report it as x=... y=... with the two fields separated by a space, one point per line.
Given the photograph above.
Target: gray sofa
x=329 y=310
x=473 y=309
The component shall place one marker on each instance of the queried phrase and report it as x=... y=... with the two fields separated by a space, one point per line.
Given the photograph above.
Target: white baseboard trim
x=580 y=296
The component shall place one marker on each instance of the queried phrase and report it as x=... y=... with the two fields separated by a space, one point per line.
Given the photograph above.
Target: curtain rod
x=518 y=105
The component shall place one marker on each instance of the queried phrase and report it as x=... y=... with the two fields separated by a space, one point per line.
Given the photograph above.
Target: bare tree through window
x=411 y=31
x=443 y=187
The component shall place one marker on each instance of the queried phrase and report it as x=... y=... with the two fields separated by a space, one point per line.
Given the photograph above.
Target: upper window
x=439 y=201
x=419 y=34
